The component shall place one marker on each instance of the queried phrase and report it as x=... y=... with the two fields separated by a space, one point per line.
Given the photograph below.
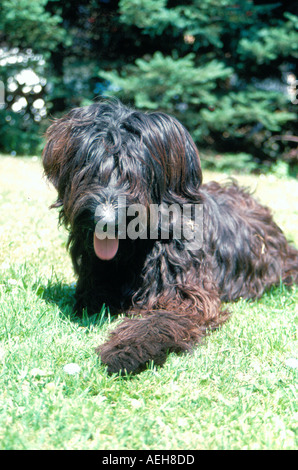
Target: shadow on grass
x=63 y=295
x=25 y=276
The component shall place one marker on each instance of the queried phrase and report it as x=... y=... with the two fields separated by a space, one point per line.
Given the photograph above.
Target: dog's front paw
x=122 y=359
x=131 y=347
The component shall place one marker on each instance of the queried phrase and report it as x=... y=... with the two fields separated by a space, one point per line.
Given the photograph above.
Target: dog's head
x=101 y=154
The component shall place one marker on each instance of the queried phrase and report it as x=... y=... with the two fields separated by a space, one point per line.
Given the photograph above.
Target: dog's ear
x=173 y=149
x=56 y=149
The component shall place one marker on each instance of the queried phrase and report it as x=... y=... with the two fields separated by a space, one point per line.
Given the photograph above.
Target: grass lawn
x=237 y=391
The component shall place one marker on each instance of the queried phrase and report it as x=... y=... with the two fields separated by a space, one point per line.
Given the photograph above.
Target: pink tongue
x=105 y=249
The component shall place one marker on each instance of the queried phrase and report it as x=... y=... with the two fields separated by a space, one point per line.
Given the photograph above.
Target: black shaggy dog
x=170 y=289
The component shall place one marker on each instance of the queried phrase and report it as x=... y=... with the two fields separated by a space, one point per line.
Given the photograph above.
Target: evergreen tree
x=220 y=66
x=28 y=34
x=224 y=73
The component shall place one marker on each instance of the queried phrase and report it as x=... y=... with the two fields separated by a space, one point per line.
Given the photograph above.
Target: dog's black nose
x=106 y=219
x=106 y=213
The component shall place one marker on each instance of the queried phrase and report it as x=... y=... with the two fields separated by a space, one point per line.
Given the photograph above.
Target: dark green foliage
x=224 y=76
x=28 y=34
x=229 y=162
x=220 y=66
x=19 y=136
x=27 y=23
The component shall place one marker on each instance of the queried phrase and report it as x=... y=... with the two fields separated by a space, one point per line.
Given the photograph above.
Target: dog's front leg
x=139 y=340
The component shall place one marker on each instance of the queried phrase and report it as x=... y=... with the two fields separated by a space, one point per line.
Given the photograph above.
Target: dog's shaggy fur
x=171 y=295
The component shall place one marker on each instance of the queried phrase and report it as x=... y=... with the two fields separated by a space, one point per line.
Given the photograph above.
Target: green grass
x=236 y=391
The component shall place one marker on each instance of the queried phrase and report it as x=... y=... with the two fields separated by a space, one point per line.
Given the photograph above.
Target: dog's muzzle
x=105 y=239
